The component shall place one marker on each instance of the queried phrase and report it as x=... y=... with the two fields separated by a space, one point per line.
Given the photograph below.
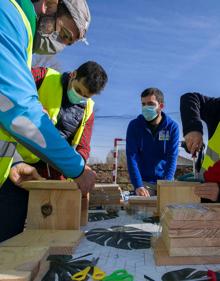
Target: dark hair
x=153 y=91
x=63 y=10
x=95 y=77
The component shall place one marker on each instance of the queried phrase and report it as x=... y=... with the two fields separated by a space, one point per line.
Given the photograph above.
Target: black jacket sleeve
x=195 y=108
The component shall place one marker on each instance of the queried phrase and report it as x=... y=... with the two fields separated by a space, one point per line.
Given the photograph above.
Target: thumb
x=14 y=175
x=36 y=176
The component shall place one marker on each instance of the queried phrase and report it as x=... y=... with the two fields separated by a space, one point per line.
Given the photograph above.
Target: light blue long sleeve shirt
x=24 y=119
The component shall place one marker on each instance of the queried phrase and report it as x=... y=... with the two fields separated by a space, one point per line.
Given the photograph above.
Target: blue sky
x=172 y=45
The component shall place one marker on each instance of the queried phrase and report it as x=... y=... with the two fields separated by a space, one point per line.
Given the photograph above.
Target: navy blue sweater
x=149 y=157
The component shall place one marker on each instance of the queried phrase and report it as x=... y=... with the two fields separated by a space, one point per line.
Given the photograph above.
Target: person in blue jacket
x=46 y=27
x=151 y=144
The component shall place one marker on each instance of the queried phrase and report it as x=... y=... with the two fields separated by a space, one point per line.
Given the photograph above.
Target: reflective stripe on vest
x=213 y=150
x=8 y=144
x=50 y=95
x=87 y=113
x=29 y=32
x=7 y=148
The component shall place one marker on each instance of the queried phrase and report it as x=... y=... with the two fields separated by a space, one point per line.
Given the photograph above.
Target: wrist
x=16 y=163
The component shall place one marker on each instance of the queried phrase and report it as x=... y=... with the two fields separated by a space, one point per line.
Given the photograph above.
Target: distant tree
x=121 y=157
x=94 y=160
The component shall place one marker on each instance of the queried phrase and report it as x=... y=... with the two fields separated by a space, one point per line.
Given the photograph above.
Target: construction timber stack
x=191 y=233
x=105 y=194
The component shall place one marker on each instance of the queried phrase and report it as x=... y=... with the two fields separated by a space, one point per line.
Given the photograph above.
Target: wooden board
x=84 y=210
x=162 y=258
x=190 y=242
x=59 y=241
x=194 y=251
x=193 y=212
x=180 y=242
x=50 y=184
x=21 y=263
x=186 y=233
x=107 y=186
x=66 y=209
x=141 y=200
x=103 y=194
x=23 y=257
x=179 y=192
x=191 y=224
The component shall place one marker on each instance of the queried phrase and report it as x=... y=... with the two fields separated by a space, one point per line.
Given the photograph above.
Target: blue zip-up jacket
x=25 y=120
x=151 y=158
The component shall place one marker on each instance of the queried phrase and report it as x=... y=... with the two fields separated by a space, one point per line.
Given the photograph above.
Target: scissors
x=120 y=274
x=97 y=273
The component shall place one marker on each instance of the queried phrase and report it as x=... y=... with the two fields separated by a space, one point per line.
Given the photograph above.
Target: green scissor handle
x=120 y=274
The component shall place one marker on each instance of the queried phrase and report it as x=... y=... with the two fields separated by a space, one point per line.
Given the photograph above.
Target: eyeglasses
x=66 y=35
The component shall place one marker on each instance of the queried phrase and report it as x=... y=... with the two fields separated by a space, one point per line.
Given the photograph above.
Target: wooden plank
x=84 y=210
x=23 y=257
x=141 y=200
x=179 y=242
x=193 y=212
x=190 y=242
x=200 y=233
x=105 y=194
x=107 y=186
x=50 y=184
x=21 y=263
x=66 y=209
x=170 y=192
x=45 y=238
x=162 y=258
x=194 y=251
x=192 y=224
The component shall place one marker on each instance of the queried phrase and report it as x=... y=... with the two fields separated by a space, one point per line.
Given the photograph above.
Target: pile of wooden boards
x=53 y=221
x=190 y=234
x=24 y=257
x=105 y=194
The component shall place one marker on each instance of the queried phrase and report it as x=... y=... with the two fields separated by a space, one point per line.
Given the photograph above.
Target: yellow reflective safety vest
x=7 y=143
x=213 y=151
x=50 y=95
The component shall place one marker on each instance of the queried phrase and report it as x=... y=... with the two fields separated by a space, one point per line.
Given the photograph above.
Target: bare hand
x=141 y=191
x=209 y=190
x=87 y=180
x=23 y=172
x=194 y=141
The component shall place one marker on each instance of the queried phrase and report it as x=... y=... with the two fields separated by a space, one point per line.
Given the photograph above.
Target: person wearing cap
x=44 y=27
x=195 y=108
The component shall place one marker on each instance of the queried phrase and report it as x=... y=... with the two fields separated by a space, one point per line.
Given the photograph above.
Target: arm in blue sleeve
x=132 y=156
x=21 y=113
x=172 y=153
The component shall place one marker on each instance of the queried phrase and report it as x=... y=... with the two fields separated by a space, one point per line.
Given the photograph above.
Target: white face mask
x=47 y=43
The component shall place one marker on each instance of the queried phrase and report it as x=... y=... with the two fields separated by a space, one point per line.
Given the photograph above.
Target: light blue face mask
x=75 y=98
x=149 y=112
